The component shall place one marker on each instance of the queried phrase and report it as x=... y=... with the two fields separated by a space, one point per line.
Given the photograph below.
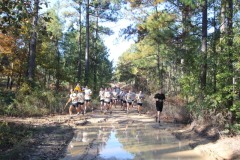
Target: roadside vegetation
x=14 y=137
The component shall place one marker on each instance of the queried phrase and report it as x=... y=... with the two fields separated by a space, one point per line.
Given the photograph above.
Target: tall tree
x=33 y=43
x=87 y=45
x=203 y=77
x=230 y=52
x=79 y=73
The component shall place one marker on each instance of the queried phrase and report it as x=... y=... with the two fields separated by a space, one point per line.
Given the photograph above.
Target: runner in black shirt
x=160 y=97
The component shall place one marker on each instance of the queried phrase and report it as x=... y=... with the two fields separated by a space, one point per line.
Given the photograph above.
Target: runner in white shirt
x=130 y=97
x=107 y=99
x=101 y=96
x=114 y=97
x=87 y=93
x=123 y=99
x=139 y=98
x=81 y=100
x=74 y=99
x=118 y=93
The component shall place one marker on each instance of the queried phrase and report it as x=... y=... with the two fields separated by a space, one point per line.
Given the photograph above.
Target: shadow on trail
x=29 y=141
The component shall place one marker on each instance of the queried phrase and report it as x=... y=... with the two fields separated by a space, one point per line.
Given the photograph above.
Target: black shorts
x=102 y=100
x=87 y=100
x=107 y=102
x=130 y=103
x=159 y=106
x=75 y=104
x=139 y=104
x=80 y=103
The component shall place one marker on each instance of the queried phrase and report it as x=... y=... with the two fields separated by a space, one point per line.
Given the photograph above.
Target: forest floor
x=56 y=131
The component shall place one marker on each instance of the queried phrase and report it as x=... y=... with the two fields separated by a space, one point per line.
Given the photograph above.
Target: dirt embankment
x=209 y=141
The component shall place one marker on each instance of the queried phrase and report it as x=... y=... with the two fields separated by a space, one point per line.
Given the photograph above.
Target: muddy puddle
x=128 y=142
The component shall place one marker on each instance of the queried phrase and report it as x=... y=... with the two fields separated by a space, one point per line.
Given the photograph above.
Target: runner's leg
x=71 y=109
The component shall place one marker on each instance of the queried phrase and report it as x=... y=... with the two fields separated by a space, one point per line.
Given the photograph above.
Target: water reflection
x=127 y=142
x=114 y=149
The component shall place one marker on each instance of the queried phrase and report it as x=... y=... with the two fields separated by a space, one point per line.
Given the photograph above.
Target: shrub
x=37 y=103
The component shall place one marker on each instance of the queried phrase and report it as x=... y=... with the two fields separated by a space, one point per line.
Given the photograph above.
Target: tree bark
x=203 y=76
x=214 y=52
x=58 y=66
x=87 y=45
x=33 y=44
x=230 y=54
x=79 y=73
x=223 y=17
x=158 y=65
x=96 y=52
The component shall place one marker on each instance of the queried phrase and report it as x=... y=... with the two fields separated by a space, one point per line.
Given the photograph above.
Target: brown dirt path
x=56 y=131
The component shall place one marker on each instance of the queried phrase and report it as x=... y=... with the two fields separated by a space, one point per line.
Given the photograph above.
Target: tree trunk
x=223 y=17
x=79 y=73
x=230 y=54
x=203 y=76
x=214 y=52
x=33 y=44
x=58 y=66
x=87 y=45
x=95 y=56
x=158 y=65
x=45 y=78
x=186 y=19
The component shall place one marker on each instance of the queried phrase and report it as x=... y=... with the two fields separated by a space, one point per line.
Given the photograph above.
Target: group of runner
x=80 y=98
x=110 y=97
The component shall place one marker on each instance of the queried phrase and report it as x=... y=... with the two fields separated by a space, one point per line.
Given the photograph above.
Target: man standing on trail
x=160 y=97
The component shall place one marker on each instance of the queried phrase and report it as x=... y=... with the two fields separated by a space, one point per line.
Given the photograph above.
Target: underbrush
x=36 y=103
x=12 y=135
x=6 y=98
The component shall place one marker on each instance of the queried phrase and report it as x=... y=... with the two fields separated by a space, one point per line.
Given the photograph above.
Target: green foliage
x=168 y=51
x=13 y=14
x=35 y=103
x=188 y=85
x=6 y=97
x=12 y=135
x=235 y=128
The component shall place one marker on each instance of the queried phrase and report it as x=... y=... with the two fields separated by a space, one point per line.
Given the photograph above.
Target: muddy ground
x=56 y=131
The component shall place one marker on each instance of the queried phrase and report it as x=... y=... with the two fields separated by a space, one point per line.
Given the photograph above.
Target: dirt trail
x=57 y=131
